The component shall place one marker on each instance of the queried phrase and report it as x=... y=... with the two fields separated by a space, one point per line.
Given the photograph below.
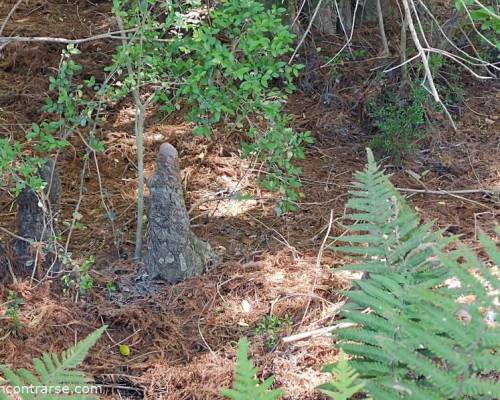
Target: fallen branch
x=448 y=192
x=317 y=332
x=4 y=40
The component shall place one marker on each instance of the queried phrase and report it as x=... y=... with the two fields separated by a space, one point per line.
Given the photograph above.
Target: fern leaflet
x=245 y=385
x=55 y=376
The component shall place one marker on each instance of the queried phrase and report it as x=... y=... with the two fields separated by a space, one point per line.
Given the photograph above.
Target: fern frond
x=246 y=386
x=54 y=372
x=420 y=339
x=345 y=383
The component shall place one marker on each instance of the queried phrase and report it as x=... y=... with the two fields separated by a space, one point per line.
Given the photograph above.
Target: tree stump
x=36 y=215
x=174 y=253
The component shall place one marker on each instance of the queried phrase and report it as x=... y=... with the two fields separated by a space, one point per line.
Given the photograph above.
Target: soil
x=183 y=338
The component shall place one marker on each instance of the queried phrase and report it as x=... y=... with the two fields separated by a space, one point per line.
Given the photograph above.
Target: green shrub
x=226 y=67
x=70 y=107
x=400 y=123
x=230 y=65
x=230 y=68
x=270 y=328
x=421 y=340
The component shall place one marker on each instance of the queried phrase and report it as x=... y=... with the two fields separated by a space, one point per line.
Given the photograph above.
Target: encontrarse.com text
x=11 y=390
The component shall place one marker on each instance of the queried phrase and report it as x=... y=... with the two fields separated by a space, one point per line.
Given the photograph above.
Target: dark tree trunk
x=368 y=11
x=345 y=17
x=36 y=216
x=174 y=253
x=326 y=21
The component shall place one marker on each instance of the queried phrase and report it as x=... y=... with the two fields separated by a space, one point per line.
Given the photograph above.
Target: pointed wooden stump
x=174 y=253
x=36 y=216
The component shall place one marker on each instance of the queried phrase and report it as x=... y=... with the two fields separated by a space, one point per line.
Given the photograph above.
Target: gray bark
x=369 y=12
x=174 y=253
x=36 y=214
x=326 y=21
x=345 y=16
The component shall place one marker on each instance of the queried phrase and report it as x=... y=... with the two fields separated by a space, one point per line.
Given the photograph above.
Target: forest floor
x=183 y=338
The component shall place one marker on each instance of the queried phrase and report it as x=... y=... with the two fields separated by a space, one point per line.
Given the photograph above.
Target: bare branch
x=382 y=29
x=9 y=15
x=425 y=60
x=4 y=40
x=306 y=32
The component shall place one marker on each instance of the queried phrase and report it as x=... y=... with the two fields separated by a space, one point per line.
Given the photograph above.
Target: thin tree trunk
x=139 y=139
x=404 y=66
x=382 y=29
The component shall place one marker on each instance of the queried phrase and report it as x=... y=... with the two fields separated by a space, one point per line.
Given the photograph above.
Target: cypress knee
x=36 y=214
x=174 y=253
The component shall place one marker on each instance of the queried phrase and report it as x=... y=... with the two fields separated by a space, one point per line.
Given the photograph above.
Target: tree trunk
x=326 y=21
x=174 y=253
x=369 y=13
x=294 y=20
x=345 y=17
x=36 y=217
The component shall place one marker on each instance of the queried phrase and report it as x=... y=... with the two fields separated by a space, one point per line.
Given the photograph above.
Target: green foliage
x=230 y=68
x=345 y=383
x=225 y=67
x=270 y=327
x=487 y=17
x=143 y=50
x=400 y=123
x=230 y=64
x=246 y=386
x=79 y=279
x=421 y=340
x=11 y=313
x=69 y=109
x=111 y=287
x=54 y=375
x=280 y=147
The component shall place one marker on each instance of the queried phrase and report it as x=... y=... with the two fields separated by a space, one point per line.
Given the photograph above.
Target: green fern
x=55 y=376
x=345 y=383
x=418 y=341
x=245 y=385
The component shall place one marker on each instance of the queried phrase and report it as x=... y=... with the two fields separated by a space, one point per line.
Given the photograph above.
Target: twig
x=452 y=194
x=44 y=39
x=425 y=60
x=349 y=39
x=318 y=265
x=9 y=15
x=15 y=236
x=306 y=32
x=447 y=192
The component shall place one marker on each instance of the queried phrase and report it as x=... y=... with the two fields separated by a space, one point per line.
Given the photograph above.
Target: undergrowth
x=400 y=123
x=424 y=317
